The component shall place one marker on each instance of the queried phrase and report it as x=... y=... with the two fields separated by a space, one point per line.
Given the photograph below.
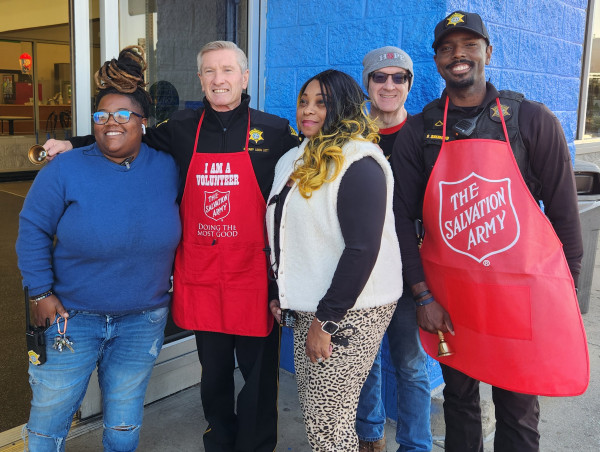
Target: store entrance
x=36 y=103
x=35 y=92
x=14 y=387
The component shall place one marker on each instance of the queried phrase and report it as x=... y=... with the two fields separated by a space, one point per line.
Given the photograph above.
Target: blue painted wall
x=538 y=46
x=305 y=37
x=537 y=50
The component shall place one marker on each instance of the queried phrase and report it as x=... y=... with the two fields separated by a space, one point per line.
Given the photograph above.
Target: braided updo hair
x=125 y=76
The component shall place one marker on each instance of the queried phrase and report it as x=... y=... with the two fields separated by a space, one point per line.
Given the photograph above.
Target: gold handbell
x=443 y=349
x=37 y=154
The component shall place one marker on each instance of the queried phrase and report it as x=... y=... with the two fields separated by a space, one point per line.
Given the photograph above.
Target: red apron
x=220 y=275
x=494 y=262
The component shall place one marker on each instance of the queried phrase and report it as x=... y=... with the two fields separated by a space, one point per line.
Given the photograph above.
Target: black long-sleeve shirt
x=361 y=206
x=362 y=233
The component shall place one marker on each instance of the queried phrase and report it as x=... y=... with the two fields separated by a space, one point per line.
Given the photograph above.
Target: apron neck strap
x=200 y=126
x=198 y=131
x=444 y=121
x=500 y=112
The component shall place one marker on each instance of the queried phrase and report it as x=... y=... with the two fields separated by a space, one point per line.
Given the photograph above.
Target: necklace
x=127 y=161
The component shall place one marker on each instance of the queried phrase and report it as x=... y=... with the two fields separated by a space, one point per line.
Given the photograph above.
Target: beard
x=460 y=84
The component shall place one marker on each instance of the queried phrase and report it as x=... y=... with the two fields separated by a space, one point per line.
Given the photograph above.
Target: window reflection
x=172 y=38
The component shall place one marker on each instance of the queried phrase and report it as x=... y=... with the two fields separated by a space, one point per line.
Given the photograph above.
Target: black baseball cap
x=460 y=20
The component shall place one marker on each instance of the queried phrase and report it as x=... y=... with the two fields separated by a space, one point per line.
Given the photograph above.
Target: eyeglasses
x=121 y=116
x=398 y=78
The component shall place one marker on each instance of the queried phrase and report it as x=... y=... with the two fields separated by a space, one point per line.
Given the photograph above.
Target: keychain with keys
x=62 y=340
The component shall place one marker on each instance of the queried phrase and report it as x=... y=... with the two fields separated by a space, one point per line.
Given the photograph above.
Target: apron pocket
x=197 y=263
x=242 y=264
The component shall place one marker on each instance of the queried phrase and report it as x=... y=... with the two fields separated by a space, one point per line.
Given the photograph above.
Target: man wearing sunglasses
x=388 y=78
x=496 y=293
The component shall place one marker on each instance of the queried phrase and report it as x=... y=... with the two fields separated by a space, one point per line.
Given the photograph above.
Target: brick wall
x=537 y=46
x=538 y=50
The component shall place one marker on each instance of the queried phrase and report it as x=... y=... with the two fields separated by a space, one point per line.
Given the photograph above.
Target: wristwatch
x=329 y=327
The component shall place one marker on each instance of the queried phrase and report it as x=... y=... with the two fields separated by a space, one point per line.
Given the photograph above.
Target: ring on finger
x=320 y=360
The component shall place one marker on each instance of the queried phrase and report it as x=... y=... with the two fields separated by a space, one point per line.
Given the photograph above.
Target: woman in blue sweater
x=97 y=237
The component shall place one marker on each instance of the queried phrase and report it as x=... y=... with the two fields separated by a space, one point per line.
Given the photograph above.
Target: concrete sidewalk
x=176 y=423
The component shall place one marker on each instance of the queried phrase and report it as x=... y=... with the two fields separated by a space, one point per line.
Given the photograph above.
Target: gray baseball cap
x=386 y=57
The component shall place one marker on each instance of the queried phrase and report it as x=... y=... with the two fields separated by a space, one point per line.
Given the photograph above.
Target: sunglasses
x=121 y=116
x=398 y=78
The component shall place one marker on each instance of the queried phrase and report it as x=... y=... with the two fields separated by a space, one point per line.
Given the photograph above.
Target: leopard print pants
x=329 y=391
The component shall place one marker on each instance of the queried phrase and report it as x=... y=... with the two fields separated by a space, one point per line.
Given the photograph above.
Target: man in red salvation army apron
x=220 y=275
x=491 y=270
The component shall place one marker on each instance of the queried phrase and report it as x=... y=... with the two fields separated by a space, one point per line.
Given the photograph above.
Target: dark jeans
x=413 y=432
x=254 y=427
x=517 y=416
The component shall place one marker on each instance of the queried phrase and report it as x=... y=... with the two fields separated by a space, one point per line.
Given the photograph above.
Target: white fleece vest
x=311 y=241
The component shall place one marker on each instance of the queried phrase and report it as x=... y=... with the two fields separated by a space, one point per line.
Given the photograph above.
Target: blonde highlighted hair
x=347 y=119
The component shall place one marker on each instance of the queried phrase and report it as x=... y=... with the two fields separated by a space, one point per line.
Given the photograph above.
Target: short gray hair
x=220 y=45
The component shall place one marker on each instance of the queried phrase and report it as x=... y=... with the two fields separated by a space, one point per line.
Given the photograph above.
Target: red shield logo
x=477 y=216
x=216 y=204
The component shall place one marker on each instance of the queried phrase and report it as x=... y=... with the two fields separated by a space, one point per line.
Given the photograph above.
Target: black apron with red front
x=494 y=262
x=220 y=275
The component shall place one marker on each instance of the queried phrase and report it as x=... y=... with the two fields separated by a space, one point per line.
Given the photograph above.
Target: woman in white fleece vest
x=335 y=254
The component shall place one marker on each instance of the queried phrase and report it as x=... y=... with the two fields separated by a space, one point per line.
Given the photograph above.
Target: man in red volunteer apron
x=491 y=263
x=220 y=275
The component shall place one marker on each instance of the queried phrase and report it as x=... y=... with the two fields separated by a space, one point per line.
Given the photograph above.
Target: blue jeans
x=124 y=347
x=413 y=431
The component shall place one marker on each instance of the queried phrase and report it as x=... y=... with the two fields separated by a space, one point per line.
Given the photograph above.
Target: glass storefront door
x=34 y=71
x=14 y=387
x=172 y=38
x=36 y=94
x=49 y=104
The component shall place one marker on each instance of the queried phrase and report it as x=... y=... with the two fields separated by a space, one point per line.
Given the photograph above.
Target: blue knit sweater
x=116 y=231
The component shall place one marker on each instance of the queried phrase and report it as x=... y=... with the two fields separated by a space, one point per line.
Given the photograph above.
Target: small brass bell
x=443 y=349
x=37 y=154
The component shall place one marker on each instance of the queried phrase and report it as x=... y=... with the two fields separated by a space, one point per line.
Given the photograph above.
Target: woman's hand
x=54 y=147
x=318 y=343
x=47 y=308
x=275 y=308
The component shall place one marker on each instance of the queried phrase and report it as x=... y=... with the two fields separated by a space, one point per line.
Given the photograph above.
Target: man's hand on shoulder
x=55 y=147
